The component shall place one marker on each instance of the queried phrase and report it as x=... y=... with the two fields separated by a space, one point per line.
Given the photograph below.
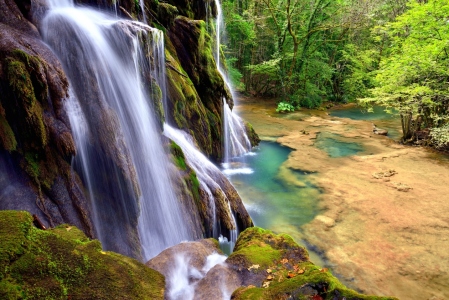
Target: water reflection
x=378 y=116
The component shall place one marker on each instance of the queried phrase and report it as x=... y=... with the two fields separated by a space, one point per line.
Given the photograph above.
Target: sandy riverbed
x=384 y=213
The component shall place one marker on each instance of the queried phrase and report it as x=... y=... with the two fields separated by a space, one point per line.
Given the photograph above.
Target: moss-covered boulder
x=63 y=263
x=275 y=267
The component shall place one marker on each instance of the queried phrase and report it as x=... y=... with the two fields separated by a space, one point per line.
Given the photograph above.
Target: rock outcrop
x=37 y=144
x=62 y=263
x=263 y=266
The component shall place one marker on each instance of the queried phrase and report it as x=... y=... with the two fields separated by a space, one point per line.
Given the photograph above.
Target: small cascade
x=120 y=156
x=142 y=8
x=227 y=245
x=236 y=142
x=207 y=176
x=183 y=277
x=235 y=138
x=156 y=51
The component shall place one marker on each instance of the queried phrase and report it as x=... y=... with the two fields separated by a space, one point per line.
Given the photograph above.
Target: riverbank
x=382 y=222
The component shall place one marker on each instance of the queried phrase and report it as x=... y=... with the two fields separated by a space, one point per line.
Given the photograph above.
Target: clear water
x=277 y=198
x=335 y=146
x=357 y=113
x=379 y=116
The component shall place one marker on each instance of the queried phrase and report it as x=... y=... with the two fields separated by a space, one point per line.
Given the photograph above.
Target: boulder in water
x=195 y=270
x=379 y=131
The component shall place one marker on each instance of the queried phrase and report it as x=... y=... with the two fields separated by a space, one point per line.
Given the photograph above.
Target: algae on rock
x=275 y=267
x=63 y=263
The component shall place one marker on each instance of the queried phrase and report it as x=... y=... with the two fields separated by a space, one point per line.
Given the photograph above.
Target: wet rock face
x=195 y=270
x=197 y=253
x=35 y=137
x=191 y=47
x=36 y=141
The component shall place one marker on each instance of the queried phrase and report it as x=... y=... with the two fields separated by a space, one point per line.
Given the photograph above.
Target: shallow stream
x=378 y=116
x=277 y=198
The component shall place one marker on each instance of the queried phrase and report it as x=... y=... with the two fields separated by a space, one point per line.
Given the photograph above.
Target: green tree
x=414 y=70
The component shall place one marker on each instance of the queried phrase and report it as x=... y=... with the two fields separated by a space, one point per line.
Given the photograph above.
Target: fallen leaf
x=324 y=270
x=253 y=267
x=69 y=228
x=266 y=284
x=284 y=261
x=291 y=275
x=301 y=271
x=269 y=271
x=269 y=277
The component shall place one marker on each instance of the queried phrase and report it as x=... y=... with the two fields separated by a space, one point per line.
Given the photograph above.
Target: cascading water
x=235 y=138
x=183 y=277
x=120 y=156
x=207 y=176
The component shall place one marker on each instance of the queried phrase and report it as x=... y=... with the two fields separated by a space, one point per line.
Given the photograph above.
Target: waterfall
x=235 y=138
x=120 y=156
x=208 y=176
x=183 y=277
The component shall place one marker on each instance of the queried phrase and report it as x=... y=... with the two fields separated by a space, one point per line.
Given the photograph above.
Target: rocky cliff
x=36 y=140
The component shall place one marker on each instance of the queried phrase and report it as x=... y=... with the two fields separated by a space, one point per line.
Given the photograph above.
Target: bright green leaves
x=413 y=75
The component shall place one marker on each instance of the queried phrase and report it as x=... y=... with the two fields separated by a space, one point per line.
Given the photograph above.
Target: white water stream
x=235 y=138
x=102 y=55
x=207 y=174
x=183 y=277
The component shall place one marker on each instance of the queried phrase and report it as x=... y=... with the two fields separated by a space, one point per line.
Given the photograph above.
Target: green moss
x=24 y=75
x=63 y=263
x=281 y=286
x=290 y=270
x=252 y=135
x=260 y=254
x=195 y=186
x=7 y=138
x=32 y=165
x=178 y=155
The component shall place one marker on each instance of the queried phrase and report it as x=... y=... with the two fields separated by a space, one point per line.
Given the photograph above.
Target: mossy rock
x=63 y=263
x=257 y=246
x=275 y=267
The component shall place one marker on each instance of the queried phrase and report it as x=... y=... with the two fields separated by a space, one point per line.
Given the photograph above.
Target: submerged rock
x=63 y=263
x=379 y=131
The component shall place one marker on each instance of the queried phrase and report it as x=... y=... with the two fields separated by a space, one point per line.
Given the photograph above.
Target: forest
x=374 y=52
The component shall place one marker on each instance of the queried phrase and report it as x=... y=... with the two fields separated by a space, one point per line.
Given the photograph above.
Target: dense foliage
x=384 y=52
